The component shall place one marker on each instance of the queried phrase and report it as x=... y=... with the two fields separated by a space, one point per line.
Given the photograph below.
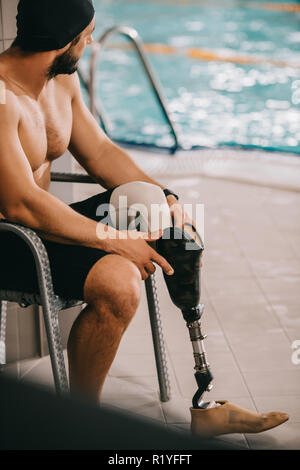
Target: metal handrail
x=133 y=35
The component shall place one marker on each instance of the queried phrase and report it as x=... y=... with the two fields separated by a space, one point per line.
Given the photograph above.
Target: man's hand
x=134 y=246
x=180 y=217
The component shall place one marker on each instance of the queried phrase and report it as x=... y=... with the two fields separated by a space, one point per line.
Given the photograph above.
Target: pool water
x=231 y=73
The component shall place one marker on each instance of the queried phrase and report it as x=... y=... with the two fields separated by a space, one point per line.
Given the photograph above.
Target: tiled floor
x=251 y=292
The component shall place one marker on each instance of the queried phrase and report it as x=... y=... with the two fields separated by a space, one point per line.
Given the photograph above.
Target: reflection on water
x=212 y=102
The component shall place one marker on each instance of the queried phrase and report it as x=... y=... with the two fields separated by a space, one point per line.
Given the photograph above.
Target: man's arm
x=104 y=161
x=23 y=201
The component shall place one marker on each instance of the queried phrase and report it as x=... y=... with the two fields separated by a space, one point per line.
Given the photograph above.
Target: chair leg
x=50 y=315
x=158 y=339
x=3 y=310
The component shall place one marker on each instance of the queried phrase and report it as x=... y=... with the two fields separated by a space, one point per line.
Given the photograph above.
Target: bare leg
x=112 y=291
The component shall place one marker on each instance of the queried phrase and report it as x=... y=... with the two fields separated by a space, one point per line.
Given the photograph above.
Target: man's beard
x=65 y=63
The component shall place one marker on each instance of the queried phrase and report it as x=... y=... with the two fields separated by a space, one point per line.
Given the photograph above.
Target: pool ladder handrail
x=97 y=46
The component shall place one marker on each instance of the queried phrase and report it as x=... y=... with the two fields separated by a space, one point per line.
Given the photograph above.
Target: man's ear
x=64 y=49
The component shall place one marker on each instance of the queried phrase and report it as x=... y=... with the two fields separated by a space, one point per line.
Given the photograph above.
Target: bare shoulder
x=70 y=83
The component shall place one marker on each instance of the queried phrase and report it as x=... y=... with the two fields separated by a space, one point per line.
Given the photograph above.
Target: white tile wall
x=7 y=43
x=1 y=31
x=9 y=12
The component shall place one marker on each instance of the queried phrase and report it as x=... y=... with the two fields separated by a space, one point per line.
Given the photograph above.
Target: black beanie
x=46 y=25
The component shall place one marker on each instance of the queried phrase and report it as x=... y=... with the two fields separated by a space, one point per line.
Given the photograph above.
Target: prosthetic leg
x=183 y=251
x=185 y=289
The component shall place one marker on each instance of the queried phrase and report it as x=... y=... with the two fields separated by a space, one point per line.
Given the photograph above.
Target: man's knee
x=114 y=283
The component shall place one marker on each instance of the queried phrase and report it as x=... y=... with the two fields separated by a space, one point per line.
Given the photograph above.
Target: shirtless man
x=43 y=115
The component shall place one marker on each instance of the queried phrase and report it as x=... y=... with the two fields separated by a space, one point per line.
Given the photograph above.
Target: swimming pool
x=230 y=72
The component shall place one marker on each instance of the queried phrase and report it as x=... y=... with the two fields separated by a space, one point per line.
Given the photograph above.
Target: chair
x=53 y=304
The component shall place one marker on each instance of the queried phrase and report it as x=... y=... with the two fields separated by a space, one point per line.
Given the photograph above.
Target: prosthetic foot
x=228 y=418
x=183 y=250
